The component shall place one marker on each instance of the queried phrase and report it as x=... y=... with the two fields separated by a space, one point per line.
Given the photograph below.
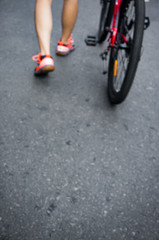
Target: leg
x=69 y=16
x=43 y=24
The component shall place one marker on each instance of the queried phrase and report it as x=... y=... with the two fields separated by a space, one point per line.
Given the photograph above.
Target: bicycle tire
x=105 y=19
x=131 y=54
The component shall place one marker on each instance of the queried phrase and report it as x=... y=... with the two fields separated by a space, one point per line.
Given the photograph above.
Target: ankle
x=65 y=41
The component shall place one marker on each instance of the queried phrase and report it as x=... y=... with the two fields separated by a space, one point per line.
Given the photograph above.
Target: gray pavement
x=73 y=167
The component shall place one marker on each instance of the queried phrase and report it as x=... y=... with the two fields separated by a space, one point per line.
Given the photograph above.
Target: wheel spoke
x=124 y=52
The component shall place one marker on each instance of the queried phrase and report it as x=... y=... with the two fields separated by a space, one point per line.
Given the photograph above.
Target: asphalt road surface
x=73 y=167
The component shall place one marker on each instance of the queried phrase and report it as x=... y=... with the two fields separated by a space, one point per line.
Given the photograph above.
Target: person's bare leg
x=69 y=16
x=43 y=24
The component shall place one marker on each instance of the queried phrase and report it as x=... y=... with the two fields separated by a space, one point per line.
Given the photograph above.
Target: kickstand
x=104 y=59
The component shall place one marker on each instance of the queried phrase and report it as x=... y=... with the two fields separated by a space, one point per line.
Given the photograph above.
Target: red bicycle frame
x=114 y=28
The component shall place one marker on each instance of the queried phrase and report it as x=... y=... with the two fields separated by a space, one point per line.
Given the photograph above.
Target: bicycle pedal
x=91 y=40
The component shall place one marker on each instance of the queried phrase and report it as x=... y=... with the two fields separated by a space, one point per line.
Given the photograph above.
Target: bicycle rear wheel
x=124 y=57
x=105 y=19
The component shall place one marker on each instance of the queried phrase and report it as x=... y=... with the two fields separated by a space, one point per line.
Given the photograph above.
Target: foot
x=45 y=64
x=64 y=49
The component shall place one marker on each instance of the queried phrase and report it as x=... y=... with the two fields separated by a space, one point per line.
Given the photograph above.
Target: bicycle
x=122 y=23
